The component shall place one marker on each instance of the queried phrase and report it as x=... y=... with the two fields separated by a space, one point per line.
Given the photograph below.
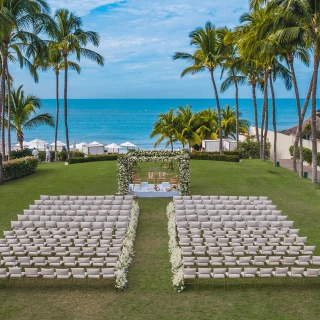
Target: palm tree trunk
x=66 y=103
x=57 y=115
x=314 y=116
x=255 y=109
x=237 y=108
x=296 y=90
x=218 y=109
x=274 y=122
x=3 y=95
x=9 y=112
x=303 y=113
x=20 y=139
x=264 y=120
x=2 y=106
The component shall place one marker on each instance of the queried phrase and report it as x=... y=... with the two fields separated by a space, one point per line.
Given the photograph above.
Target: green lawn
x=150 y=295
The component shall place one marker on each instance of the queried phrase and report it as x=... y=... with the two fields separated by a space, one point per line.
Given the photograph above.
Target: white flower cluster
x=175 y=250
x=127 y=251
x=127 y=162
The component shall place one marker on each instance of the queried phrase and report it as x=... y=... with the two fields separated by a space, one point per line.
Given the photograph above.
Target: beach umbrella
x=127 y=144
x=113 y=146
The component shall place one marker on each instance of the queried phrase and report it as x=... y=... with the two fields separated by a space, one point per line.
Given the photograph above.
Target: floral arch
x=127 y=163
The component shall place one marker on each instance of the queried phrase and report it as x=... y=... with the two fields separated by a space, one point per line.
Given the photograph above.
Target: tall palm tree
x=208 y=55
x=166 y=128
x=71 y=39
x=52 y=59
x=187 y=125
x=23 y=114
x=17 y=18
x=232 y=64
x=305 y=14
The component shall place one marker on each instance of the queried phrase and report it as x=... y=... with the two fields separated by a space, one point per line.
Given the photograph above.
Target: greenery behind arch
x=128 y=162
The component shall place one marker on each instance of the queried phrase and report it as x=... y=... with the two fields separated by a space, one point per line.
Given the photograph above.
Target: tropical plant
x=187 y=126
x=229 y=121
x=208 y=55
x=16 y=19
x=71 y=39
x=24 y=114
x=207 y=121
x=52 y=59
x=166 y=128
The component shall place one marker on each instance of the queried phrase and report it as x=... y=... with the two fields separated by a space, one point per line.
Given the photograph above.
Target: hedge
x=214 y=156
x=307 y=155
x=18 y=168
x=62 y=155
x=17 y=154
x=90 y=158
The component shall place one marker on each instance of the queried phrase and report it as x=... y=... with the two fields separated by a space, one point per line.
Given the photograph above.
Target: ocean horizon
x=121 y=120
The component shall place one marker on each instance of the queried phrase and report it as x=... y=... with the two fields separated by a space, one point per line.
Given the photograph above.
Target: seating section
x=66 y=237
x=230 y=237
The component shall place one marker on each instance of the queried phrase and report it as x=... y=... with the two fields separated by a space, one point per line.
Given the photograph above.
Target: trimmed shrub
x=307 y=155
x=250 y=149
x=105 y=157
x=18 y=168
x=17 y=154
x=214 y=156
x=62 y=155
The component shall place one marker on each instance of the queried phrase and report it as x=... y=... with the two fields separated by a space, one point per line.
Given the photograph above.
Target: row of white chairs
x=40 y=210
x=32 y=225
x=41 y=203
x=213 y=274
x=234 y=225
x=209 y=212
x=79 y=212
x=225 y=207
x=234 y=202
x=74 y=218
x=199 y=197
x=218 y=218
x=61 y=233
x=257 y=240
x=199 y=250
x=64 y=261
x=66 y=197
x=34 y=251
x=57 y=273
x=63 y=242
x=220 y=233
x=251 y=260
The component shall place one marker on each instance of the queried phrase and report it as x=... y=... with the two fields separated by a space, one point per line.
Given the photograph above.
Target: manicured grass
x=150 y=294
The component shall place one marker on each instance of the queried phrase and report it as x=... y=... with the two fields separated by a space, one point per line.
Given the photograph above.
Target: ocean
x=121 y=120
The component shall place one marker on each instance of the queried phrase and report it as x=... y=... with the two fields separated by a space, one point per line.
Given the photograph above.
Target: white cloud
x=82 y=7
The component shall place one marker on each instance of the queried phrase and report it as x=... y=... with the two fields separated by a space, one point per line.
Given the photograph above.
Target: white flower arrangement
x=175 y=250
x=127 y=252
x=126 y=164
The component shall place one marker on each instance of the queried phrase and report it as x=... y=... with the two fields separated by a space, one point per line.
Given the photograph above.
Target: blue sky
x=138 y=39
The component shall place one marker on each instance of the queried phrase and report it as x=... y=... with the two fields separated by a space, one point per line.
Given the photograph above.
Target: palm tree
x=71 y=39
x=232 y=64
x=229 y=120
x=166 y=127
x=16 y=19
x=305 y=14
x=187 y=126
x=208 y=55
x=207 y=123
x=52 y=59
x=23 y=114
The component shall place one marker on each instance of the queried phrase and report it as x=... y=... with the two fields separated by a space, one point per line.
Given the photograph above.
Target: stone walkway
x=288 y=163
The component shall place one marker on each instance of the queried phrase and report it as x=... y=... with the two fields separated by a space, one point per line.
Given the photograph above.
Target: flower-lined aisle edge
x=175 y=250
x=127 y=252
